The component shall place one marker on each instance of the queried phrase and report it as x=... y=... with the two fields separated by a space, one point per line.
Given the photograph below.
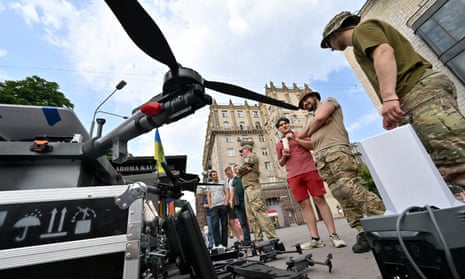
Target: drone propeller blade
x=143 y=31
x=241 y=92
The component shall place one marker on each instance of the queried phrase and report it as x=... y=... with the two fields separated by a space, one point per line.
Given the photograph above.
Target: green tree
x=364 y=173
x=34 y=91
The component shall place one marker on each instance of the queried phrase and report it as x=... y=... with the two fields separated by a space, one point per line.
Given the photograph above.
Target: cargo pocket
x=340 y=190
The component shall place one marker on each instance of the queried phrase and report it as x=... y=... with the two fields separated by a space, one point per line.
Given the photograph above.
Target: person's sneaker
x=362 y=245
x=337 y=241
x=312 y=244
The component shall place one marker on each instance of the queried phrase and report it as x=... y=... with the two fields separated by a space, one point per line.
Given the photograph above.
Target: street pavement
x=346 y=264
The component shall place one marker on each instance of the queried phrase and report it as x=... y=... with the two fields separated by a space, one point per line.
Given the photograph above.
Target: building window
x=257 y=125
x=261 y=138
x=268 y=165
x=271 y=179
x=226 y=124
x=230 y=152
x=442 y=29
x=255 y=114
x=224 y=113
x=242 y=125
x=264 y=151
x=240 y=114
x=272 y=201
x=228 y=139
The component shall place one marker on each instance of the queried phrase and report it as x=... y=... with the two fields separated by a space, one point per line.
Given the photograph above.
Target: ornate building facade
x=230 y=126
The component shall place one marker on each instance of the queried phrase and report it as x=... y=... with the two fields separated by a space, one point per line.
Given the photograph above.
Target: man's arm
x=282 y=154
x=226 y=194
x=305 y=143
x=384 y=62
x=322 y=115
x=231 y=194
x=209 y=199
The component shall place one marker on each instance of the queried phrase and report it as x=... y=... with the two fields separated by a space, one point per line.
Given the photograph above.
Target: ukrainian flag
x=159 y=154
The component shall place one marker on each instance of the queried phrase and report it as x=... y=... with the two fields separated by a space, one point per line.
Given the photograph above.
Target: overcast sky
x=81 y=46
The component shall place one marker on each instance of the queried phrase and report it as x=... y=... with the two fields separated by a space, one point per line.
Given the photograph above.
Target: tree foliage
x=34 y=91
x=365 y=174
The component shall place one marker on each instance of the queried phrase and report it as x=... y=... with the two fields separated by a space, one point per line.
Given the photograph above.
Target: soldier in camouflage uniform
x=336 y=163
x=409 y=89
x=255 y=207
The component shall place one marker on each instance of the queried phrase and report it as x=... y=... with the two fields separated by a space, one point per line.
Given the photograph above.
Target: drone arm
x=173 y=107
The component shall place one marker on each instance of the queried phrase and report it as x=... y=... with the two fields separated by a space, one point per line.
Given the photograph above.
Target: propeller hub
x=183 y=76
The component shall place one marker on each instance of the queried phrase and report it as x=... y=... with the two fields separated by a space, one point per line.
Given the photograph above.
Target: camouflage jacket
x=249 y=176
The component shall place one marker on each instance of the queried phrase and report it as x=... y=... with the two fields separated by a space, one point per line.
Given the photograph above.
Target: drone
x=183 y=88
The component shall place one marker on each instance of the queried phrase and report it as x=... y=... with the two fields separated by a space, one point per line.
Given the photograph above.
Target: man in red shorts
x=303 y=180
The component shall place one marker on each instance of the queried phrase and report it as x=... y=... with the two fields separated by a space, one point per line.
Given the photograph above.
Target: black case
x=191 y=245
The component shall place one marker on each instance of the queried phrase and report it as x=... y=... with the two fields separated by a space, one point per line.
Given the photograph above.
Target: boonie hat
x=305 y=94
x=335 y=23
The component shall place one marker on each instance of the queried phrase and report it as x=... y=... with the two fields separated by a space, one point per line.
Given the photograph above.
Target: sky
x=81 y=46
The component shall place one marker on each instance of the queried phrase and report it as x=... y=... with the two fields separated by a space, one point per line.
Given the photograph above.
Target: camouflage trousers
x=256 y=213
x=432 y=111
x=338 y=167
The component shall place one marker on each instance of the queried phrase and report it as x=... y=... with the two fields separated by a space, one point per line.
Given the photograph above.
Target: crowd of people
x=240 y=196
x=411 y=92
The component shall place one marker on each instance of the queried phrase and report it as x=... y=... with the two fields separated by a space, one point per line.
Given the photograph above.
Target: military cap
x=337 y=22
x=248 y=146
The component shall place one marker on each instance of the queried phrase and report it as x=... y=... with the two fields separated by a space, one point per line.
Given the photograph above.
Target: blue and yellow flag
x=159 y=154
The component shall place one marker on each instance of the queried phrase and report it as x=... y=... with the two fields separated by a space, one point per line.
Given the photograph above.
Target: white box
x=403 y=171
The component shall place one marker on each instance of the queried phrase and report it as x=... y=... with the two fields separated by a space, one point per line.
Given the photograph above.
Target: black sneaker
x=362 y=245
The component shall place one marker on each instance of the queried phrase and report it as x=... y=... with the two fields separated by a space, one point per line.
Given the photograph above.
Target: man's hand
x=285 y=153
x=392 y=115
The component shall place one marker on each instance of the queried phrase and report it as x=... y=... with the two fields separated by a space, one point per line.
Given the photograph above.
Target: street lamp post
x=113 y=114
x=119 y=86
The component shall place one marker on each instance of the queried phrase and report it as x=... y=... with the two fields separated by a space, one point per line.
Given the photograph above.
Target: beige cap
x=335 y=23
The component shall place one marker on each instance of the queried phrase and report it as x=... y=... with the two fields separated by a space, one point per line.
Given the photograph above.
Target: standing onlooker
x=255 y=207
x=337 y=164
x=237 y=201
x=209 y=224
x=303 y=180
x=231 y=213
x=218 y=197
x=409 y=89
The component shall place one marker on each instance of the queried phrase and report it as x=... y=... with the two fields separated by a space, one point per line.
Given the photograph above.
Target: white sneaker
x=337 y=241
x=312 y=244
